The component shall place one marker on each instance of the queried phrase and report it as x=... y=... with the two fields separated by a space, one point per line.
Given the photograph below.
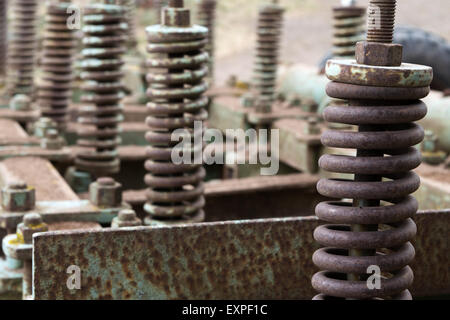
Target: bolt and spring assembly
x=55 y=89
x=3 y=35
x=376 y=229
x=22 y=48
x=177 y=70
x=206 y=17
x=349 y=28
x=103 y=46
x=270 y=21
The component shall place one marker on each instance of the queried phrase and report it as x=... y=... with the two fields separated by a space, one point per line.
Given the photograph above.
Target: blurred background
x=307 y=29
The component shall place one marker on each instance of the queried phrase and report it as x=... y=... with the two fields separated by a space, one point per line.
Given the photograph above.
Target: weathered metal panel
x=259 y=259
x=251 y=259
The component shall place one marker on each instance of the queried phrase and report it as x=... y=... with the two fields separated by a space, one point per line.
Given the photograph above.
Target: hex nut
x=379 y=54
x=105 y=192
x=32 y=223
x=18 y=197
x=52 y=140
x=43 y=125
x=126 y=218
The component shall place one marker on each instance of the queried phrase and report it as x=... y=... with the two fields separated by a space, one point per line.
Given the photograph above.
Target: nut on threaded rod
x=381 y=20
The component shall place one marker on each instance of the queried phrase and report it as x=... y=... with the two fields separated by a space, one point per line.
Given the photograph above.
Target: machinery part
x=126 y=218
x=21 y=48
x=3 y=35
x=267 y=50
x=206 y=17
x=19 y=247
x=349 y=28
x=430 y=154
x=368 y=233
x=175 y=193
x=98 y=136
x=20 y=102
x=55 y=89
x=130 y=14
x=438 y=119
x=158 y=6
x=52 y=140
x=105 y=193
x=424 y=48
x=18 y=197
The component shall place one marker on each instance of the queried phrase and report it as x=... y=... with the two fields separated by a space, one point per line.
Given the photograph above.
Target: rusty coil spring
x=130 y=9
x=349 y=28
x=376 y=229
x=206 y=17
x=55 y=89
x=3 y=35
x=103 y=46
x=267 y=50
x=177 y=69
x=22 y=48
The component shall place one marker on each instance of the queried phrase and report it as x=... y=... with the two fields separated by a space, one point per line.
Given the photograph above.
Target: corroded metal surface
x=246 y=260
x=407 y=75
x=252 y=259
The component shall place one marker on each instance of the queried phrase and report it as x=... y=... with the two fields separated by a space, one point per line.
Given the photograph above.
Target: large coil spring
x=376 y=228
x=349 y=28
x=55 y=89
x=207 y=17
x=267 y=50
x=22 y=48
x=3 y=35
x=103 y=46
x=177 y=69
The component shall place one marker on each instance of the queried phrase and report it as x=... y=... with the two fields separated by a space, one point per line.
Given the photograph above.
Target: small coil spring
x=55 y=89
x=3 y=35
x=158 y=6
x=177 y=69
x=349 y=28
x=207 y=17
x=22 y=48
x=130 y=8
x=270 y=25
x=376 y=229
x=103 y=46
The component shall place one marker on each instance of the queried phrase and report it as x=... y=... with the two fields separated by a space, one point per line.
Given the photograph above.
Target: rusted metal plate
x=259 y=259
x=247 y=259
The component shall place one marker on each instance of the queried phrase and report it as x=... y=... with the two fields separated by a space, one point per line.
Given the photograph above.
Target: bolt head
x=43 y=125
x=126 y=218
x=18 y=197
x=105 y=192
x=32 y=223
x=52 y=140
x=379 y=54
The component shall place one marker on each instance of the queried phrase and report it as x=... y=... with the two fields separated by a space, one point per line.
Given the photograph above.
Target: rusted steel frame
x=40 y=174
x=61 y=211
x=12 y=134
x=246 y=259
